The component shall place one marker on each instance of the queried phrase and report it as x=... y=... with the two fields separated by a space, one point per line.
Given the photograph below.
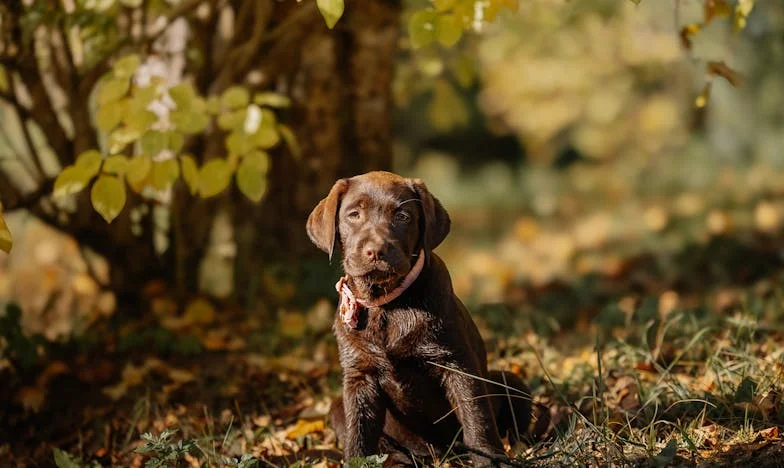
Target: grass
x=655 y=378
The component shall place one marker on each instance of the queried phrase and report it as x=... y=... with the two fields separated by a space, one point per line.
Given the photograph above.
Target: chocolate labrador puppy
x=414 y=365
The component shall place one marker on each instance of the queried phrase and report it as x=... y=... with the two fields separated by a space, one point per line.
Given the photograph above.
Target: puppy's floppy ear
x=323 y=220
x=435 y=222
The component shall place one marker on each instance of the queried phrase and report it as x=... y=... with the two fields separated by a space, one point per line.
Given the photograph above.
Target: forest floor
x=658 y=369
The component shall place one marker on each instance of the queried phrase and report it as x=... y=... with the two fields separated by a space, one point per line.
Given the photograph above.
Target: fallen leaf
x=304 y=427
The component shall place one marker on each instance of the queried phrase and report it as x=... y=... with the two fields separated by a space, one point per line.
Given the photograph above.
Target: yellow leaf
x=443 y=5
x=214 y=177
x=112 y=90
x=164 y=173
x=331 y=10
x=742 y=11
x=266 y=137
x=116 y=164
x=190 y=172
x=199 y=312
x=182 y=94
x=71 y=180
x=271 y=99
x=702 y=99
x=89 y=162
x=259 y=159
x=422 y=28
x=6 y=242
x=291 y=140
x=235 y=97
x=449 y=30
x=126 y=66
x=137 y=172
x=110 y=115
x=251 y=179
x=108 y=197
x=304 y=427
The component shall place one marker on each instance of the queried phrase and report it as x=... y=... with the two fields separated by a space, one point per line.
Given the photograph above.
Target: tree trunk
x=341 y=82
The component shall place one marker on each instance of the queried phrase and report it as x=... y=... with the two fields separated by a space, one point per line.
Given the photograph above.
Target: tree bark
x=341 y=83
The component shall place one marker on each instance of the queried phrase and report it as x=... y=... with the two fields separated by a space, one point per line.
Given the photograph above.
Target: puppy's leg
x=512 y=408
x=364 y=414
x=337 y=418
x=468 y=395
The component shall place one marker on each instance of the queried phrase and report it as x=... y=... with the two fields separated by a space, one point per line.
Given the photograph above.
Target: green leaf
x=235 y=97
x=71 y=180
x=422 y=28
x=291 y=140
x=176 y=141
x=190 y=122
x=239 y=143
x=153 y=142
x=372 y=461
x=110 y=115
x=331 y=10
x=190 y=172
x=6 y=241
x=271 y=99
x=213 y=105
x=137 y=171
x=182 y=94
x=258 y=159
x=214 y=177
x=232 y=120
x=121 y=137
x=108 y=196
x=138 y=121
x=126 y=66
x=63 y=460
x=117 y=164
x=266 y=137
x=90 y=162
x=443 y=5
x=251 y=180
x=449 y=29
x=112 y=90
x=164 y=173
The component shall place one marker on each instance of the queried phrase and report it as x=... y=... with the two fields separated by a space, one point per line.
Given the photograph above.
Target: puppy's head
x=381 y=221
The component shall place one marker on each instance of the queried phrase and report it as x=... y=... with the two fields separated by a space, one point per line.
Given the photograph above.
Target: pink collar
x=349 y=304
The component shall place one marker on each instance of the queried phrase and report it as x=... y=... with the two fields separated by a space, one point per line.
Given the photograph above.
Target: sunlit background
x=565 y=140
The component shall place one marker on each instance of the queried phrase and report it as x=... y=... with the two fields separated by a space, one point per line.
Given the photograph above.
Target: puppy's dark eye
x=353 y=215
x=402 y=217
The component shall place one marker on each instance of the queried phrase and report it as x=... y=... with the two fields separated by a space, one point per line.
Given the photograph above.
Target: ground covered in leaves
x=672 y=358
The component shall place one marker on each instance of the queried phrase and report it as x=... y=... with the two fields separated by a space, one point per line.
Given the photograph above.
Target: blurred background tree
x=147 y=110
x=176 y=98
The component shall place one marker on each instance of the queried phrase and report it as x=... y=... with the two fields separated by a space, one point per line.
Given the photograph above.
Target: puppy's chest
x=394 y=334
